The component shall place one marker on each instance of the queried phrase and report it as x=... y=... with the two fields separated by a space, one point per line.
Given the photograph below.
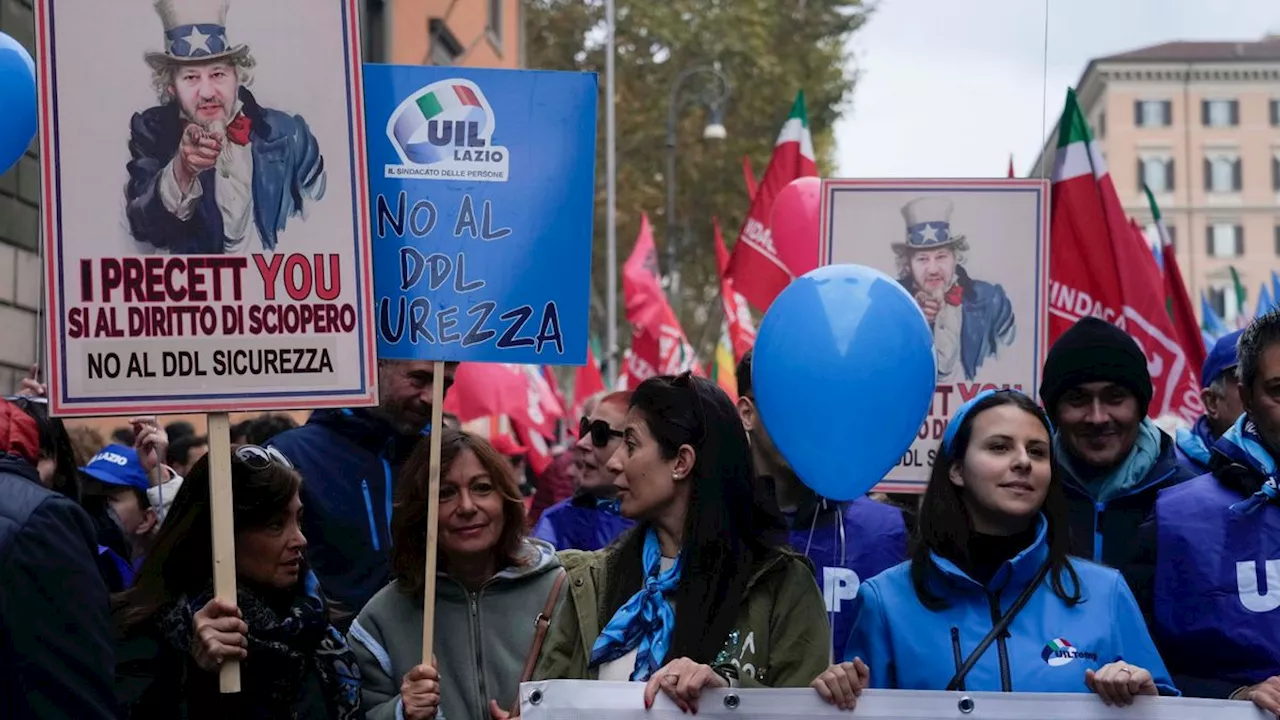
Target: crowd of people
x=1067 y=546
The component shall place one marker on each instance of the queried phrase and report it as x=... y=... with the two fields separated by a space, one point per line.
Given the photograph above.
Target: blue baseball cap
x=118 y=465
x=1222 y=357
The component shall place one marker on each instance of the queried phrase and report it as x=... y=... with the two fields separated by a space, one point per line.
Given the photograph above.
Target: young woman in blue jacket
x=991 y=543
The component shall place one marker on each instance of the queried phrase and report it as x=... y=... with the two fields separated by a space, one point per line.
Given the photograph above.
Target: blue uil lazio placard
x=481 y=192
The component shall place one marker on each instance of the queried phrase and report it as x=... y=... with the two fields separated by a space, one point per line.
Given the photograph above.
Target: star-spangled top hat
x=928 y=224
x=195 y=31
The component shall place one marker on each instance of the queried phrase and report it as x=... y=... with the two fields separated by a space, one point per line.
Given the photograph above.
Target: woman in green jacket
x=702 y=593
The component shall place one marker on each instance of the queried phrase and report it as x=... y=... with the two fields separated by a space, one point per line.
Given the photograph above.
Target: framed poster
x=974 y=254
x=205 y=206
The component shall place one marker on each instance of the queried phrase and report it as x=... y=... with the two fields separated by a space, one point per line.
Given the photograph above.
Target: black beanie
x=1094 y=350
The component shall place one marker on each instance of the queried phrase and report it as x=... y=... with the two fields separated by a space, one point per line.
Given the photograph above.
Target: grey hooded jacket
x=481 y=639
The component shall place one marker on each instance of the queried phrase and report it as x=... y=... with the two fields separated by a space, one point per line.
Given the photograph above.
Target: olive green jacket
x=781 y=639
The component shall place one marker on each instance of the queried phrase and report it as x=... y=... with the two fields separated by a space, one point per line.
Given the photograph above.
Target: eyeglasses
x=599 y=431
x=258 y=458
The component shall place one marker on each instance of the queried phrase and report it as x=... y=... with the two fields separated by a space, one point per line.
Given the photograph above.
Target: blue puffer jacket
x=348 y=460
x=1048 y=645
x=581 y=522
x=848 y=543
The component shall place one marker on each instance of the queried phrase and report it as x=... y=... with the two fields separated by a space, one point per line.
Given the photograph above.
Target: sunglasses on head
x=258 y=458
x=599 y=431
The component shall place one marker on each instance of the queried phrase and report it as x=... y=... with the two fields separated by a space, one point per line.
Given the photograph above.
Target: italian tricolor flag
x=759 y=269
x=1100 y=267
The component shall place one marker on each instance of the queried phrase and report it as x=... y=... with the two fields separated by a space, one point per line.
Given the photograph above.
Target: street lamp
x=713 y=94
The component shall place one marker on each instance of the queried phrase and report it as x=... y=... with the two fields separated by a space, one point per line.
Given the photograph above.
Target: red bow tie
x=238 y=130
x=955 y=296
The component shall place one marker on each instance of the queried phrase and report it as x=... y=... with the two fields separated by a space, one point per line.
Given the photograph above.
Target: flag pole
x=611 y=182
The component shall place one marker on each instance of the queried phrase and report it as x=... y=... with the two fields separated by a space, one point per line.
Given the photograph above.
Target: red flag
x=1011 y=172
x=1181 y=310
x=749 y=176
x=1097 y=267
x=742 y=328
x=756 y=268
x=496 y=389
x=587 y=381
x=658 y=343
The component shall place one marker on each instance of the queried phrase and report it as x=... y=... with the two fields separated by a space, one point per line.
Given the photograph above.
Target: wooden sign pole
x=223 y=525
x=433 y=512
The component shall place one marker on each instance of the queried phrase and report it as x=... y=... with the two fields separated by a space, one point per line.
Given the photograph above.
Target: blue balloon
x=18 y=116
x=843 y=374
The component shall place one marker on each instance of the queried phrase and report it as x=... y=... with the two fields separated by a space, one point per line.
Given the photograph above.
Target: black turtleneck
x=987 y=553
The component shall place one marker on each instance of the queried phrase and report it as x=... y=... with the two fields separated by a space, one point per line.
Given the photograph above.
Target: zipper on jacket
x=1006 y=684
x=955 y=652
x=386 y=473
x=473 y=599
x=1099 y=508
x=368 y=508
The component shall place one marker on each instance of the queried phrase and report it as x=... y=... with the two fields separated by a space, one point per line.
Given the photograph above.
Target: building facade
x=468 y=33
x=472 y=33
x=1199 y=123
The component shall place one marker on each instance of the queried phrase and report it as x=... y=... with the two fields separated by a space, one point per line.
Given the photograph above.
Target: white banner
x=589 y=700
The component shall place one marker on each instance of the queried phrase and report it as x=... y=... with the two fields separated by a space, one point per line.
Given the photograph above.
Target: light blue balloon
x=18 y=116
x=843 y=374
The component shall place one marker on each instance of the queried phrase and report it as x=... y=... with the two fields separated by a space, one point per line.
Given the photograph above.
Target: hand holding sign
x=844 y=359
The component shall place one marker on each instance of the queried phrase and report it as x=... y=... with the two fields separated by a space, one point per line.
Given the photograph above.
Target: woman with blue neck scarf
x=702 y=593
x=990 y=600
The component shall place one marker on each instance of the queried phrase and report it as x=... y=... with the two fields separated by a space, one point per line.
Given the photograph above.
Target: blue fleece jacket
x=1048 y=646
x=348 y=460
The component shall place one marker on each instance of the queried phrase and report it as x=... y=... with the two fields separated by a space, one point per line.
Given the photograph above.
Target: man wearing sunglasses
x=847 y=542
x=349 y=460
x=589 y=520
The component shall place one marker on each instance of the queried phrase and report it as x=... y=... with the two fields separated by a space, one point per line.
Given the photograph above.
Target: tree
x=768 y=49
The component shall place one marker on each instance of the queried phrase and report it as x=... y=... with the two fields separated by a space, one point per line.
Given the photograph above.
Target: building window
x=1224 y=302
x=1275 y=170
x=1222 y=172
x=1275 y=113
x=1153 y=113
x=445 y=48
x=1278 y=239
x=1220 y=113
x=372 y=29
x=1156 y=172
x=1225 y=240
x=495 y=21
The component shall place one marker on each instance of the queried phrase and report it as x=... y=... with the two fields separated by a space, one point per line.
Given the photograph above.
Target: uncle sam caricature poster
x=205 y=205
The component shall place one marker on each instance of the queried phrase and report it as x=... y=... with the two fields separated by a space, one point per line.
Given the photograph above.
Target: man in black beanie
x=1113 y=459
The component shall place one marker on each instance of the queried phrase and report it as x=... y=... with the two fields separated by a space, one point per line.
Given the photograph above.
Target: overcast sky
x=950 y=88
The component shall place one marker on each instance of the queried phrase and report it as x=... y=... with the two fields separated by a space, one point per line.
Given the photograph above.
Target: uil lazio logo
x=444 y=131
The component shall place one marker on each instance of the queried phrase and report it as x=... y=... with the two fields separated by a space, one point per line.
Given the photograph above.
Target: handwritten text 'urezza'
x=417 y=319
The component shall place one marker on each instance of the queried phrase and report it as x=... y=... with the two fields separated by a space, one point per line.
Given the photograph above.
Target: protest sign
x=573 y=699
x=482 y=184
x=974 y=253
x=205 y=206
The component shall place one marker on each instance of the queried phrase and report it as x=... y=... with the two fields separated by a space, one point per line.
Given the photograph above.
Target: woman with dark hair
x=703 y=593
x=491 y=586
x=989 y=600
x=175 y=634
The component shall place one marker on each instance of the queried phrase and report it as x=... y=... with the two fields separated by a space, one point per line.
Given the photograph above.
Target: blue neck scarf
x=645 y=622
x=1244 y=435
